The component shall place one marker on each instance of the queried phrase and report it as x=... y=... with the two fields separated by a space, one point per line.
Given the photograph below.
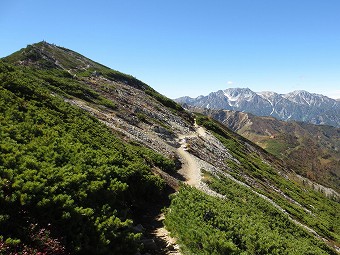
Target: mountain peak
x=46 y=55
x=299 y=92
x=303 y=97
x=268 y=94
x=235 y=94
x=304 y=93
x=235 y=91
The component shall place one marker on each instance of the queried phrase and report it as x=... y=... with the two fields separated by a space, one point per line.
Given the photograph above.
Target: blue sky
x=191 y=47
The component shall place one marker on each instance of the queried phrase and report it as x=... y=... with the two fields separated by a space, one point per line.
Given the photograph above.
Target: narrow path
x=191 y=170
x=172 y=248
x=190 y=167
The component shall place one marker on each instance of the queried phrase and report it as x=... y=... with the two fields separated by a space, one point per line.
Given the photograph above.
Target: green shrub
x=63 y=170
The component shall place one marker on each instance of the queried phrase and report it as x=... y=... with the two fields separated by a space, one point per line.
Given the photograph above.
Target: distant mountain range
x=298 y=105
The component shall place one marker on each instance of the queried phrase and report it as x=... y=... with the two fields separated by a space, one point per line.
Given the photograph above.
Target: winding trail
x=192 y=165
x=172 y=248
x=191 y=171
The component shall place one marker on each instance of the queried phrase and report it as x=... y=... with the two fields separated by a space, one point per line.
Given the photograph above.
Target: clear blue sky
x=191 y=47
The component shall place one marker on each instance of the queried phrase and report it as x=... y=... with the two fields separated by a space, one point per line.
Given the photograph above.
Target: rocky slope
x=156 y=136
x=311 y=150
x=297 y=105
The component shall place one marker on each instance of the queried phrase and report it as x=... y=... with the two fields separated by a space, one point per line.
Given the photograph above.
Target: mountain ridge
x=88 y=154
x=298 y=105
x=297 y=143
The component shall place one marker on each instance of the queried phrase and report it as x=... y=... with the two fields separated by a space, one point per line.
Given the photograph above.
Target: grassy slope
x=241 y=224
x=245 y=223
x=311 y=150
x=55 y=60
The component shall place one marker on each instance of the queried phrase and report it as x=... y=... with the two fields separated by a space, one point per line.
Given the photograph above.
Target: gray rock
x=149 y=244
x=138 y=228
